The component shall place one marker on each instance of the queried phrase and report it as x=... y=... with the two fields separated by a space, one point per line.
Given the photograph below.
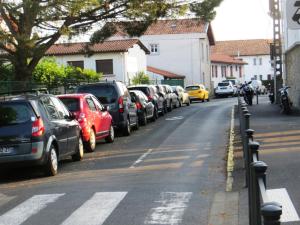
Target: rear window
x=14 y=113
x=72 y=104
x=143 y=89
x=191 y=88
x=105 y=94
x=223 y=84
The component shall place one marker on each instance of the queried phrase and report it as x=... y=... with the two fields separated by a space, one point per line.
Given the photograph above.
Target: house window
x=212 y=71
x=104 y=66
x=260 y=77
x=223 y=68
x=79 y=64
x=240 y=71
x=216 y=71
x=255 y=77
x=254 y=61
x=260 y=61
x=269 y=77
x=231 y=71
x=236 y=68
x=154 y=49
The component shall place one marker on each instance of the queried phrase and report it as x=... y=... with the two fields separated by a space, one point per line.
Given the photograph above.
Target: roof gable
x=226 y=59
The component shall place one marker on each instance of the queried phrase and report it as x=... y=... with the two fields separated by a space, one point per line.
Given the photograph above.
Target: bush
x=141 y=78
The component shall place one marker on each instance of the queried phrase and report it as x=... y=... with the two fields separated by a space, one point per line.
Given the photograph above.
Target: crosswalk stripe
x=96 y=210
x=30 y=207
x=170 y=208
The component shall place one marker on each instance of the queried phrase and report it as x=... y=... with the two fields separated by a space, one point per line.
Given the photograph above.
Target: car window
x=192 y=88
x=132 y=95
x=223 y=84
x=142 y=97
x=106 y=94
x=90 y=104
x=60 y=107
x=73 y=104
x=143 y=89
x=15 y=113
x=202 y=87
x=50 y=108
x=97 y=103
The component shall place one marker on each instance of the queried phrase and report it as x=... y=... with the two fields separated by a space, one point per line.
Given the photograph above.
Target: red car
x=94 y=119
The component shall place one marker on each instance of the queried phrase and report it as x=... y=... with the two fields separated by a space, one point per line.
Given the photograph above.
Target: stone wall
x=293 y=74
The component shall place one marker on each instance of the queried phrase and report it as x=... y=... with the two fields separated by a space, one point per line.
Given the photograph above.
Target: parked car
x=225 y=88
x=160 y=90
x=38 y=130
x=115 y=96
x=146 y=109
x=93 y=117
x=171 y=97
x=197 y=92
x=182 y=95
x=150 y=92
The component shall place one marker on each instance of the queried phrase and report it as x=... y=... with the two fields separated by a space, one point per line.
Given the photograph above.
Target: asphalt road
x=166 y=173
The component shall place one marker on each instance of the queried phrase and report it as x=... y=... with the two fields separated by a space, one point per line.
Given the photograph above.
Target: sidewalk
x=279 y=136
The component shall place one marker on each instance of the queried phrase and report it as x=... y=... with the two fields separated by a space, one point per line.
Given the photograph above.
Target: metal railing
x=261 y=209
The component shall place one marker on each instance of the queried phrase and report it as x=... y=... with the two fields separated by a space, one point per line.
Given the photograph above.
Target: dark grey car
x=115 y=96
x=37 y=130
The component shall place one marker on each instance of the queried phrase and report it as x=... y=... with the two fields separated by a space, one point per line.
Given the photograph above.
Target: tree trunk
x=23 y=75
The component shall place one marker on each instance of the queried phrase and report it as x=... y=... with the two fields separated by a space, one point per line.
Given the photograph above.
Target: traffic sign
x=293 y=14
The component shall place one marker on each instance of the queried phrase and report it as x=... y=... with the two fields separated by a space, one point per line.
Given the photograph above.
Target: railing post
x=258 y=171
x=249 y=135
x=253 y=150
x=271 y=213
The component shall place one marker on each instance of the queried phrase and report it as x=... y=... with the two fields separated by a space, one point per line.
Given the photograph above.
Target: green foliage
x=6 y=72
x=141 y=78
x=205 y=9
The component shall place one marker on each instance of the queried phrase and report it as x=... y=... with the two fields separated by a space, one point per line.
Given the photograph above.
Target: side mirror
x=105 y=108
x=71 y=116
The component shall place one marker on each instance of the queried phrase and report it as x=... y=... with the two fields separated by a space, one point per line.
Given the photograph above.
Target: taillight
x=149 y=98
x=81 y=117
x=38 y=128
x=121 y=104
x=138 y=105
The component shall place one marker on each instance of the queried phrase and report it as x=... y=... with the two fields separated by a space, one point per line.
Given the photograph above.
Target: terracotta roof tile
x=226 y=59
x=243 y=47
x=105 y=47
x=164 y=73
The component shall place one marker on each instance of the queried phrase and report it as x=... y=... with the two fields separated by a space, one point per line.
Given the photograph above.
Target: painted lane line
x=281 y=196
x=30 y=207
x=170 y=208
x=230 y=156
x=96 y=210
x=141 y=158
x=175 y=118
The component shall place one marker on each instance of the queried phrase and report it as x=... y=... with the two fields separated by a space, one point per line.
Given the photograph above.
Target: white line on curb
x=230 y=159
x=141 y=158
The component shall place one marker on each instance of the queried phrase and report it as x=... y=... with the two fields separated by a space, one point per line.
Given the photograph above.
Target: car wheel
x=188 y=103
x=79 y=151
x=91 y=144
x=127 y=128
x=137 y=124
x=207 y=99
x=171 y=106
x=191 y=101
x=52 y=162
x=155 y=115
x=165 y=108
x=144 y=120
x=111 y=137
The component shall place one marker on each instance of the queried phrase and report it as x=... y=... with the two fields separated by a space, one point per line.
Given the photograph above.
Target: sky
x=242 y=19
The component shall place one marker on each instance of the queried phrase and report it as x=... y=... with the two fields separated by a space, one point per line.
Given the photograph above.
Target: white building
x=224 y=66
x=117 y=60
x=179 y=47
x=256 y=53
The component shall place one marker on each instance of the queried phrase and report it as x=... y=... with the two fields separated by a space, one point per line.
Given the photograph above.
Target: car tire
x=79 y=151
x=155 y=115
x=207 y=100
x=137 y=124
x=171 y=106
x=165 y=108
x=111 y=136
x=127 y=128
x=144 y=119
x=91 y=144
x=51 y=166
x=188 y=103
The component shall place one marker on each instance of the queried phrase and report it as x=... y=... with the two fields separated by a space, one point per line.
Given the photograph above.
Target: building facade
x=116 y=60
x=256 y=53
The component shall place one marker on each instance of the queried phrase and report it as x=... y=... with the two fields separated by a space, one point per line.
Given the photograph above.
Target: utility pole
x=276 y=47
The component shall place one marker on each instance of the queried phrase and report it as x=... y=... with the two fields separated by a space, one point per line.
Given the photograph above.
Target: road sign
x=293 y=14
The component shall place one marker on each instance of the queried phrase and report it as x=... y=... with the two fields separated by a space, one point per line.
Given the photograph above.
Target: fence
x=261 y=209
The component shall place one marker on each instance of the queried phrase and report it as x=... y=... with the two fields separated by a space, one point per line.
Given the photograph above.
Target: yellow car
x=197 y=92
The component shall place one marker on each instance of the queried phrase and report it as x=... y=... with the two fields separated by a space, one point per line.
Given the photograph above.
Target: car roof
x=75 y=95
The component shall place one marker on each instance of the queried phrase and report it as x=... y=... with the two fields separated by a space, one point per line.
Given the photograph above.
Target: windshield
x=14 y=113
x=143 y=89
x=71 y=103
x=105 y=93
x=192 y=88
x=223 y=84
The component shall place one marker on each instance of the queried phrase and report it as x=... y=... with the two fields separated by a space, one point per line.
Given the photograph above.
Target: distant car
x=93 y=117
x=172 y=99
x=115 y=95
x=197 y=92
x=38 y=130
x=150 y=92
x=160 y=90
x=146 y=109
x=224 y=88
x=182 y=94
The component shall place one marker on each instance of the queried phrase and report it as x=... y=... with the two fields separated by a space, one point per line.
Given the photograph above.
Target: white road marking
x=170 y=208
x=141 y=158
x=175 y=118
x=281 y=196
x=30 y=207
x=96 y=210
x=230 y=157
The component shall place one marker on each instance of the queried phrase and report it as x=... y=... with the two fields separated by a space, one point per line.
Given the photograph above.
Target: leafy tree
x=141 y=78
x=205 y=9
x=28 y=28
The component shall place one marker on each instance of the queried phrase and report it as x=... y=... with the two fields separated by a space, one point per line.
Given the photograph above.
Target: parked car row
x=42 y=129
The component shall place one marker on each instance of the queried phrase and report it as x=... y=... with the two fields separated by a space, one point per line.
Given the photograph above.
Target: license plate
x=6 y=150
x=223 y=88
